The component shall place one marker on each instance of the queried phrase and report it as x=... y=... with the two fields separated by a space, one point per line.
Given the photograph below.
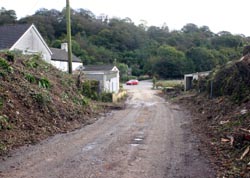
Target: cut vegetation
x=222 y=116
x=37 y=101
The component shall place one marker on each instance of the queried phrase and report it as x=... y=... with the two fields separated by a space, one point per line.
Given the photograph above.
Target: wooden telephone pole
x=68 y=22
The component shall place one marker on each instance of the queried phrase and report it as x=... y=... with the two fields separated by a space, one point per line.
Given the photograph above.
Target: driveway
x=150 y=138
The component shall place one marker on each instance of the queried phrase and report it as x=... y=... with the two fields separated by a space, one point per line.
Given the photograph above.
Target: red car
x=132 y=82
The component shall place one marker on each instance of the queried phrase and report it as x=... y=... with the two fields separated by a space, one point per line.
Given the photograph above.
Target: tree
x=190 y=28
x=203 y=59
x=147 y=50
x=123 y=70
x=171 y=63
x=7 y=16
x=227 y=40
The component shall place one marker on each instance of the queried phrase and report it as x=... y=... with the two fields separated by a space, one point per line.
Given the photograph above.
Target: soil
x=38 y=101
x=217 y=121
x=149 y=138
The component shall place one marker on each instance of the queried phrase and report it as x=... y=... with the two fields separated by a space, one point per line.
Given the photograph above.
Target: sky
x=218 y=15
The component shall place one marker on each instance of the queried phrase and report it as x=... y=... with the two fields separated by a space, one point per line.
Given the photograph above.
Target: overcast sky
x=218 y=15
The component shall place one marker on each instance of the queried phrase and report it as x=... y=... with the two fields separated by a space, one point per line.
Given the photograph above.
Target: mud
x=150 y=138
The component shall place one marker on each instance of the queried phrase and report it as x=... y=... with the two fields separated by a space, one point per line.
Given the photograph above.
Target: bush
x=44 y=83
x=144 y=77
x=85 y=101
x=30 y=78
x=2 y=148
x=169 y=83
x=106 y=97
x=9 y=56
x=41 y=98
x=5 y=67
x=1 y=103
x=232 y=80
x=32 y=62
x=90 y=89
x=4 y=123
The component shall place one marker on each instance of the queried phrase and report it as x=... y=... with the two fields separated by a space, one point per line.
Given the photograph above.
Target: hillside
x=37 y=101
x=223 y=120
x=146 y=50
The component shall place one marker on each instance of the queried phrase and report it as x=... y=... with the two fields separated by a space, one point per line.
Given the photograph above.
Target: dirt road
x=149 y=139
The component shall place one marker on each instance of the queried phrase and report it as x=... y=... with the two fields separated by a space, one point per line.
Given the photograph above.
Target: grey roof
x=98 y=67
x=9 y=34
x=62 y=55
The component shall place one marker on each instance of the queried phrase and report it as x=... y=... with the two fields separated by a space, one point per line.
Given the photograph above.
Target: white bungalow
x=26 y=38
x=107 y=75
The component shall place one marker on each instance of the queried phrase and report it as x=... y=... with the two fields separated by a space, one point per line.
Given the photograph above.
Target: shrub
x=232 y=80
x=44 y=83
x=32 y=62
x=41 y=98
x=85 y=101
x=4 y=123
x=1 y=103
x=10 y=56
x=30 y=78
x=2 y=148
x=144 y=77
x=106 y=97
x=90 y=89
x=4 y=67
x=126 y=78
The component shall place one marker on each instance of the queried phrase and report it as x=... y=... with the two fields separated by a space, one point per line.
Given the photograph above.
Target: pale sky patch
x=218 y=15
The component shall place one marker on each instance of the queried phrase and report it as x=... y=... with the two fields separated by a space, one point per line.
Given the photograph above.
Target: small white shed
x=107 y=75
x=188 y=78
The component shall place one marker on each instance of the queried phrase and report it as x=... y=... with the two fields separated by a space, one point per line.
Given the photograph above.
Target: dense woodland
x=147 y=50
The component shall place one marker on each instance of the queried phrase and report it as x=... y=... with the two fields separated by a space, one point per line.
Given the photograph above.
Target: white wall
x=114 y=85
x=111 y=85
x=61 y=65
x=31 y=43
x=116 y=81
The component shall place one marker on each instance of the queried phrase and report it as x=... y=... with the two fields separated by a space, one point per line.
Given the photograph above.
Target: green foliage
x=90 y=89
x=123 y=71
x=171 y=63
x=106 y=97
x=1 y=102
x=85 y=101
x=129 y=78
x=144 y=77
x=30 y=78
x=44 y=83
x=169 y=83
x=227 y=40
x=202 y=58
x=64 y=96
x=32 y=62
x=145 y=49
x=5 y=68
x=230 y=80
x=67 y=81
x=7 y=16
x=9 y=56
x=2 y=147
x=4 y=64
x=4 y=123
x=154 y=80
x=41 y=98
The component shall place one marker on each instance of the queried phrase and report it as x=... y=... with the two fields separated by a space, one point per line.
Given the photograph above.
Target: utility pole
x=68 y=22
